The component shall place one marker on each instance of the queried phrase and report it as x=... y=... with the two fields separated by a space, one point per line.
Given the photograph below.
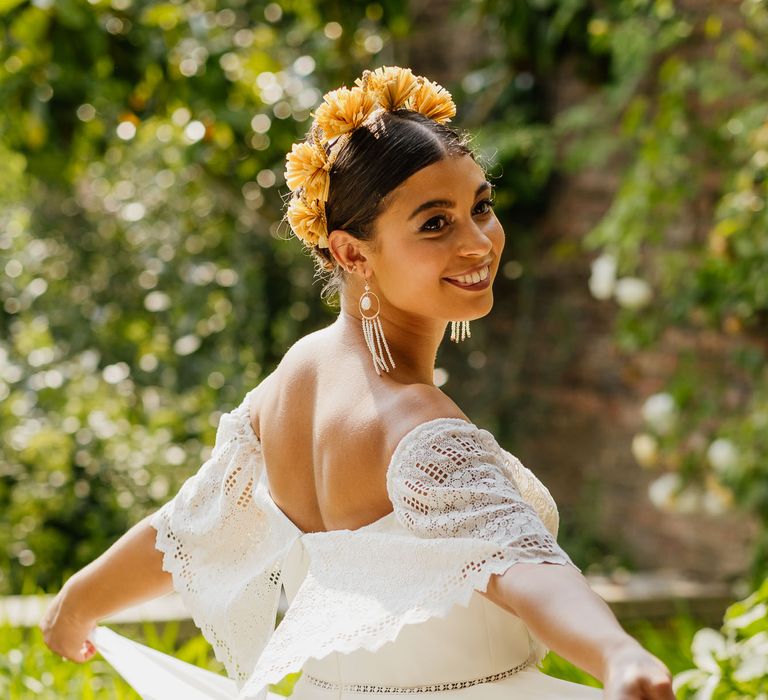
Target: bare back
x=328 y=426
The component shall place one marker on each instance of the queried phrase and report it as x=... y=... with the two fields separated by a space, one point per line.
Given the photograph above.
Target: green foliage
x=731 y=663
x=29 y=669
x=683 y=248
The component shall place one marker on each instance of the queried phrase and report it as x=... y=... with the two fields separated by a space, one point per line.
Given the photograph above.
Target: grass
x=28 y=669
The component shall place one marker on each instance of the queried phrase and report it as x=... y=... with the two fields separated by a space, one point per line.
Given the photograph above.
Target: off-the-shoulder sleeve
x=222 y=550
x=459 y=519
x=455 y=481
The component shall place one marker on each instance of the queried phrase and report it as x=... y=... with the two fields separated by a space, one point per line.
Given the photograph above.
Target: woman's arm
x=557 y=604
x=129 y=572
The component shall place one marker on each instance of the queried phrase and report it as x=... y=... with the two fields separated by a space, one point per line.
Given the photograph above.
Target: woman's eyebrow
x=485 y=185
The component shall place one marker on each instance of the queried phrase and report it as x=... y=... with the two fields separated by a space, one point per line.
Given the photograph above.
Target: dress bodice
x=479 y=641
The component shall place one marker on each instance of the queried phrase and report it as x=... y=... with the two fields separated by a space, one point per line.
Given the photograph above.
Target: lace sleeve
x=449 y=478
x=221 y=550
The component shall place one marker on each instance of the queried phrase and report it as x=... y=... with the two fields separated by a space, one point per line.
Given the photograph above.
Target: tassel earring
x=460 y=330
x=373 y=332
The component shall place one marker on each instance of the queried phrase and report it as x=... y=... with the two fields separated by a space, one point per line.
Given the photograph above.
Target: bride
x=416 y=554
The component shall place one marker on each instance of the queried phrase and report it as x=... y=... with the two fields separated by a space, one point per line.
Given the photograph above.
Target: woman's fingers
x=635 y=674
x=660 y=688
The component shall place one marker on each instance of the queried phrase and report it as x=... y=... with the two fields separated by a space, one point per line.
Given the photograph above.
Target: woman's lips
x=477 y=286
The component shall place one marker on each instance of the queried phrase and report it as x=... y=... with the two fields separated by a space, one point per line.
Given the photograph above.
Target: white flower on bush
x=722 y=455
x=690 y=500
x=603 y=276
x=707 y=646
x=692 y=679
x=753 y=658
x=662 y=491
x=660 y=412
x=632 y=292
x=759 y=612
x=724 y=658
x=715 y=502
x=645 y=450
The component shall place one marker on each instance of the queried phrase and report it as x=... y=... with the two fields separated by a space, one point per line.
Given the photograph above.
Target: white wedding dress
x=391 y=608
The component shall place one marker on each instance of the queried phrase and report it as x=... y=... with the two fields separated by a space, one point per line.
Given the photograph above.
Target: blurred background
x=147 y=282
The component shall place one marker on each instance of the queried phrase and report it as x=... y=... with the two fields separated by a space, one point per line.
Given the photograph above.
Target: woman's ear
x=346 y=249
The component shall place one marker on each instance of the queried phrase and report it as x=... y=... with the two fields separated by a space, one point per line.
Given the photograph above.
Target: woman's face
x=437 y=224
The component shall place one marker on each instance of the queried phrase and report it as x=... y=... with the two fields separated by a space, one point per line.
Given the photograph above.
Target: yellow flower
x=392 y=84
x=306 y=168
x=344 y=110
x=318 y=186
x=307 y=219
x=433 y=101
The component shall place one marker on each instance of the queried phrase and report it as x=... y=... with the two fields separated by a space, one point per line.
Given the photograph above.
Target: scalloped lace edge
x=173 y=567
x=460 y=596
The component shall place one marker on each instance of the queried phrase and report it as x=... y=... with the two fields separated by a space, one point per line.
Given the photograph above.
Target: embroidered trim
x=437 y=687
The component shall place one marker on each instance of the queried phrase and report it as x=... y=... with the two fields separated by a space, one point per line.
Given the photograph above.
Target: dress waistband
x=436 y=687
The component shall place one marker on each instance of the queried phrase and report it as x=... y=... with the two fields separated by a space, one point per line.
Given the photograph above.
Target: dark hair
x=377 y=159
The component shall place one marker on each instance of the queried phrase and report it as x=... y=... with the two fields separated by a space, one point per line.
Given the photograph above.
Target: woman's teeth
x=474 y=278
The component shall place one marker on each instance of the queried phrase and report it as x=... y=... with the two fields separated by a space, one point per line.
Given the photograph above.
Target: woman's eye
x=427 y=227
x=489 y=203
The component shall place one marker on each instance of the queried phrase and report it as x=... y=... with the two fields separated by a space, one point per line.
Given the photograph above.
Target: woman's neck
x=413 y=344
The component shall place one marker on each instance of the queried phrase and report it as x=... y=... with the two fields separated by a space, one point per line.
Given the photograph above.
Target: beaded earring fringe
x=460 y=330
x=374 y=333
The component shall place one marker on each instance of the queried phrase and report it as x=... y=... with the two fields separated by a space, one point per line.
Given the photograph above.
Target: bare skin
x=326 y=385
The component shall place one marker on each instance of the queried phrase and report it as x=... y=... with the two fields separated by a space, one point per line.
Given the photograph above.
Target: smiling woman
x=411 y=546
x=398 y=143
x=435 y=239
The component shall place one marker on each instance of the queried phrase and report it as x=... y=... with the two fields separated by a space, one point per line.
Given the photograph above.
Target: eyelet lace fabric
x=464 y=509
x=452 y=479
x=222 y=550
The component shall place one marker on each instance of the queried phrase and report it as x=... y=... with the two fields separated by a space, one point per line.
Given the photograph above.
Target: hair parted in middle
x=376 y=156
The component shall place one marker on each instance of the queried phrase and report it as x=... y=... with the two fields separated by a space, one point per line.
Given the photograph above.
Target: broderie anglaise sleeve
x=222 y=550
x=455 y=481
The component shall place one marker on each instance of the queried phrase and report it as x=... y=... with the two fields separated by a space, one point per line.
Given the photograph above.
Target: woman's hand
x=633 y=673
x=65 y=632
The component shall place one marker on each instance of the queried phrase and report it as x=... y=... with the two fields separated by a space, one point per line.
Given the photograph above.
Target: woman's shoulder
x=382 y=417
x=417 y=405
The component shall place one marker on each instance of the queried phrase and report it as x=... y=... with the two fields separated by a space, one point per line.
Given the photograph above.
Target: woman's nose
x=476 y=239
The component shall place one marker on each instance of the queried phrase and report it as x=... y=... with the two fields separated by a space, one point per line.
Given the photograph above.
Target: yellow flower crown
x=343 y=110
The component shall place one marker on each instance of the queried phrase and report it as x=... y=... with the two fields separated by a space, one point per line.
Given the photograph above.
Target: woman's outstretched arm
x=557 y=604
x=128 y=573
